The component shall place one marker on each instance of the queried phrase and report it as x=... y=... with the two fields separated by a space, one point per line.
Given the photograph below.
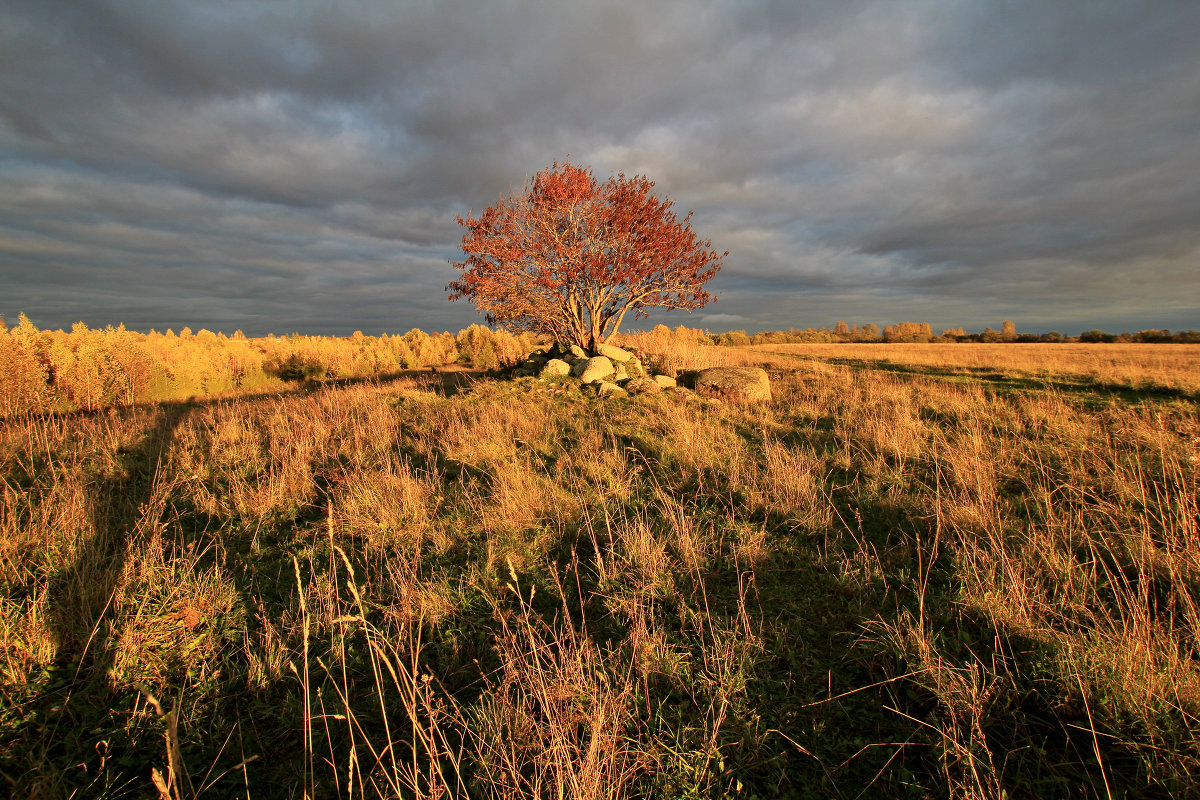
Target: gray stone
x=577 y=351
x=620 y=374
x=607 y=389
x=665 y=381
x=554 y=368
x=749 y=384
x=642 y=386
x=613 y=353
x=593 y=369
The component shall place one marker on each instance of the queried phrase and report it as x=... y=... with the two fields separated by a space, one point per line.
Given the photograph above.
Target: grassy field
x=921 y=571
x=1162 y=368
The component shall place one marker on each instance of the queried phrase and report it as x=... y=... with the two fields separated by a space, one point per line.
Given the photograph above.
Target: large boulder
x=613 y=353
x=749 y=384
x=593 y=369
x=554 y=368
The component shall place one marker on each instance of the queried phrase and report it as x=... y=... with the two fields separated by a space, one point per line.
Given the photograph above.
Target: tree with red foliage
x=570 y=257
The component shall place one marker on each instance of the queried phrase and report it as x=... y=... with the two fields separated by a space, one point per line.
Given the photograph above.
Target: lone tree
x=570 y=257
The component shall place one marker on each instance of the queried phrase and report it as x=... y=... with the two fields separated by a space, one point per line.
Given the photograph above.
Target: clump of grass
x=391 y=504
x=558 y=718
x=791 y=483
x=171 y=613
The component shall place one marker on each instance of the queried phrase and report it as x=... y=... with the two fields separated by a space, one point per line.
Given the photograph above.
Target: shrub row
x=86 y=369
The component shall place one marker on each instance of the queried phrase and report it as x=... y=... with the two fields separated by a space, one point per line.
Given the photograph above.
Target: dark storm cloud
x=299 y=165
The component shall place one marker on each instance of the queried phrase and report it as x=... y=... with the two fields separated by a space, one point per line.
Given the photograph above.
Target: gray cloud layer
x=298 y=165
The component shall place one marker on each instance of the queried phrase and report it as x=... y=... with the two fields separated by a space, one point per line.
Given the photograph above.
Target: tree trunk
x=594 y=334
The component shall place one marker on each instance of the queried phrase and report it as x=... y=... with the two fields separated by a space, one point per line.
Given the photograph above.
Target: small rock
x=608 y=389
x=577 y=351
x=642 y=386
x=593 y=369
x=665 y=381
x=554 y=368
x=749 y=384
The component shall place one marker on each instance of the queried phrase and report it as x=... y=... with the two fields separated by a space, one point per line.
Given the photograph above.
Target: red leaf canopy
x=570 y=257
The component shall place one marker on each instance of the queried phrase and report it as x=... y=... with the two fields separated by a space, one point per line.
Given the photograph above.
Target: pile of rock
x=611 y=371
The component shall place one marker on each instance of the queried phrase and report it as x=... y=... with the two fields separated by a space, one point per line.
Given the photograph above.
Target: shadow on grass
x=814 y=719
x=852 y=710
x=1039 y=736
x=447 y=380
x=81 y=604
x=74 y=717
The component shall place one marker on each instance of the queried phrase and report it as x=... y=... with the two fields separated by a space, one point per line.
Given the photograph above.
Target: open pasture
x=921 y=571
x=1136 y=366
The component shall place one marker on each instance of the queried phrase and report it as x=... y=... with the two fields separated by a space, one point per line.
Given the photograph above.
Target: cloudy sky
x=295 y=165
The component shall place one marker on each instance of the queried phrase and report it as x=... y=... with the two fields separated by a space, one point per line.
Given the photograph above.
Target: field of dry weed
x=949 y=571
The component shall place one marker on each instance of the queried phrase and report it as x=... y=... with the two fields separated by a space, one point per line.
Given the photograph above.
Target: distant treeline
x=85 y=369
x=922 y=332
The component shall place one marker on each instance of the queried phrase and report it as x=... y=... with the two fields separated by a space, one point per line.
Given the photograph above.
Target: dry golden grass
x=671 y=353
x=1173 y=366
x=791 y=482
x=902 y=583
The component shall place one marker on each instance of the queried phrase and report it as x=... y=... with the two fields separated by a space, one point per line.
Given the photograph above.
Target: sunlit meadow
x=920 y=571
